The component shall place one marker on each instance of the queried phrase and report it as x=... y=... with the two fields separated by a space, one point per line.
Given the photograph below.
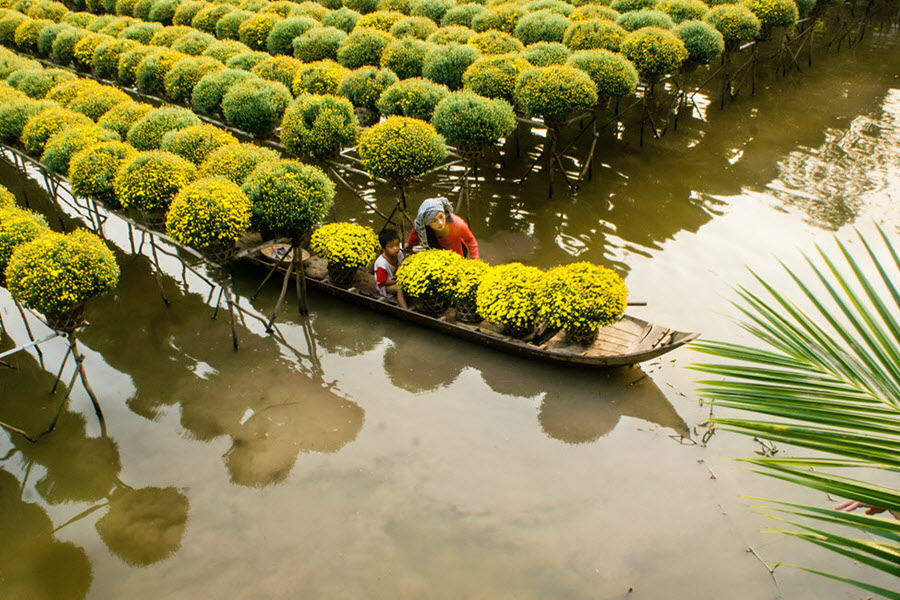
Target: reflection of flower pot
x=471 y=152
x=518 y=332
x=155 y=220
x=582 y=337
x=220 y=252
x=434 y=304
x=467 y=312
x=66 y=321
x=341 y=275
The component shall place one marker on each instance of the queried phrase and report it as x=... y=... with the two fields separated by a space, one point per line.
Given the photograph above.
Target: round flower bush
x=282 y=69
x=416 y=27
x=429 y=274
x=613 y=74
x=148 y=131
x=194 y=43
x=256 y=106
x=236 y=161
x=464 y=290
x=186 y=11
x=432 y=9
x=508 y=296
x=56 y=273
x=128 y=63
x=318 y=44
x=121 y=117
x=321 y=77
x=165 y=37
x=116 y=26
x=495 y=76
x=163 y=11
x=207 y=213
x=281 y=38
x=462 y=15
x=452 y=34
x=624 y=6
x=245 y=61
x=594 y=34
x=382 y=20
x=496 y=42
x=400 y=149
x=255 y=31
x=48 y=35
x=78 y=19
x=555 y=93
x=416 y=98
x=319 y=125
x=405 y=57
x=702 y=41
x=446 y=64
x=773 y=13
x=638 y=19
x=206 y=97
x=362 y=7
x=471 y=121
x=684 y=10
x=544 y=54
x=654 y=51
x=225 y=50
x=401 y=6
x=344 y=19
x=105 y=62
x=150 y=180
x=17 y=226
x=36 y=83
x=556 y=6
x=229 y=26
x=142 y=9
x=8 y=25
x=28 y=33
x=594 y=11
x=141 y=32
x=53 y=11
x=41 y=127
x=364 y=86
x=288 y=197
x=186 y=74
x=93 y=169
x=208 y=17
x=83 y=52
x=150 y=75
x=735 y=22
x=581 y=297
x=63 y=93
x=62 y=146
x=363 y=47
x=501 y=18
x=541 y=26
x=348 y=245
x=196 y=142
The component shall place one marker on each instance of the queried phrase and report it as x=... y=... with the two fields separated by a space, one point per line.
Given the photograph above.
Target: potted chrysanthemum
x=429 y=276
x=346 y=247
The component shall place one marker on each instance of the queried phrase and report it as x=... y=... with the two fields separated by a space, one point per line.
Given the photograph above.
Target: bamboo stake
x=284 y=284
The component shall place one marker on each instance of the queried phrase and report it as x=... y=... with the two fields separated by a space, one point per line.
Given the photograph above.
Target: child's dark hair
x=386 y=237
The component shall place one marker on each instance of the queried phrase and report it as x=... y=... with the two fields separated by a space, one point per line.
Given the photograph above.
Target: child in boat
x=437 y=227
x=386 y=266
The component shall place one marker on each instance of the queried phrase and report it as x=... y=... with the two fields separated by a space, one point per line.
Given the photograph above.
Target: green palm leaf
x=828 y=381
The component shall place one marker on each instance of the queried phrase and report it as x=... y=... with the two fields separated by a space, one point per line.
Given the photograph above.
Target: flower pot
x=340 y=275
x=518 y=332
x=220 y=252
x=155 y=220
x=434 y=305
x=582 y=337
x=66 y=321
x=467 y=312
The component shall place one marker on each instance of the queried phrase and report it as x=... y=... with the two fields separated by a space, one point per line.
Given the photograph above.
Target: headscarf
x=428 y=210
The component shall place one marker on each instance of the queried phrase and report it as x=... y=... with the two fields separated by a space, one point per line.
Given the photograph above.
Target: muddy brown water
x=359 y=457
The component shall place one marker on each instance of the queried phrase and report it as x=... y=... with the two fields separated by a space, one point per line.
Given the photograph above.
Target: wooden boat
x=627 y=342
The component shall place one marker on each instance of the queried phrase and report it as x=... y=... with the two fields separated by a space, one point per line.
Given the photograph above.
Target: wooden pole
x=228 y=299
x=300 y=278
x=284 y=284
x=28 y=331
x=79 y=361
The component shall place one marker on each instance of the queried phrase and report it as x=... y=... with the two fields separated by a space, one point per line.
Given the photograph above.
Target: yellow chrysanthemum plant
x=209 y=215
x=464 y=290
x=56 y=273
x=508 y=296
x=555 y=93
x=429 y=276
x=347 y=247
x=7 y=199
x=17 y=226
x=93 y=170
x=149 y=182
x=581 y=298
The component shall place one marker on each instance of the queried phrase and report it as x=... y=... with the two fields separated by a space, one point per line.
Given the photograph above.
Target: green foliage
x=401 y=6
x=405 y=57
x=349 y=245
x=496 y=42
x=255 y=31
x=54 y=11
x=61 y=147
x=10 y=63
x=167 y=36
x=614 y=75
x=400 y=149
x=382 y=20
x=735 y=22
x=594 y=34
x=148 y=131
x=105 y=62
x=186 y=11
x=464 y=289
x=774 y=13
x=319 y=125
x=581 y=297
x=495 y=76
x=503 y=18
x=125 y=7
x=83 y=52
x=433 y=9
x=363 y=47
x=638 y=19
x=308 y=9
x=446 y=64
x=150 y=180
x=96 y=102
x=121 y=117
x=594 y=11
x=469 y=120
x=100 y=22
x=150 y=75
x=196 y=142
x=8 y=25
x=181 y=79
x=17 y=227
x=46 y=37
x=65 y=92
x=555 y=93
x=35 y=83
x=28 y=33
x=281 y=38
x=225 y=50
x=208 y=212
x=207 y=95
x=364 y=86
x=235 y=162
x=208 y=17
x=702 y=41
x=507 y=296
x=684 y=10
x=321 y=77
x=805 y=7
x=417 y=27
x=194 y=43
x=141 y=32
x=57 y=272
x=451 y=34
x=289 y=197
x=541 y=26
x=15 y=113
x=319 y=44
x=416 y=98
x=462 y=15
x=78 y=19
x=544 y=54
x=128 y=63
x=344 y=19
x=47 y=123
x=63 y=50
x=624 y=6
x=93 y=169
x=256 y=106
x=247 y=60
x=282 y=69
x=163 y=11
x=362 y=7
x=429 y=274
x=228 y=27
x=556 y=6
x=823 y=379
x=117 y=26
x=654 y=51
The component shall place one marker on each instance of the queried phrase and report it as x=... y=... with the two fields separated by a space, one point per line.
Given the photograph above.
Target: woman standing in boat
x=437 y=227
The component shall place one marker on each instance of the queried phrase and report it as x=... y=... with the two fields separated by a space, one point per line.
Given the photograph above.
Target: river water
x=359 y=457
